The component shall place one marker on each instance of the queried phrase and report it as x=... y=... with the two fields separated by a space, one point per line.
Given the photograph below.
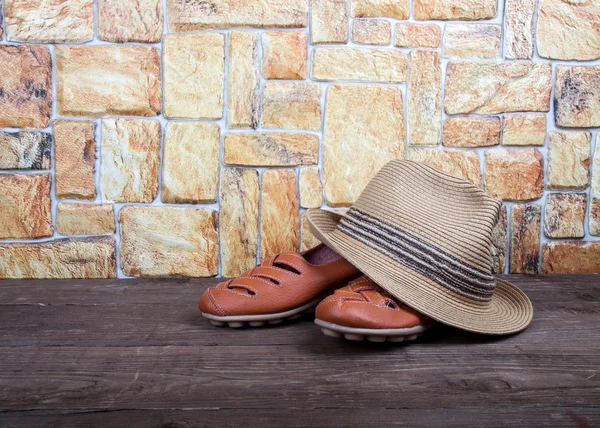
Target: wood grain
x=137 y=353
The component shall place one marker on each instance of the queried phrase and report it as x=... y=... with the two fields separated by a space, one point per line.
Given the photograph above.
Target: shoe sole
x=238 y=321
x=394 y=335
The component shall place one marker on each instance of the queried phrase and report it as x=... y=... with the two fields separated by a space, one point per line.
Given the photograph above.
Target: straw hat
x=425 y=237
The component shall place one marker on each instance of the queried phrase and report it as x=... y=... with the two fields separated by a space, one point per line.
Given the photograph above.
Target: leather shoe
x=281 y=287
x=362 y=310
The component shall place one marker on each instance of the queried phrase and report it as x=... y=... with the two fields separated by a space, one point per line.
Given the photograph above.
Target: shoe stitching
x=242 y=294
x=370 y=303
x=269 y=283
x=214 y=302
x=301 y=270
x=278 y=269
x=342 y=299
x=358 y=300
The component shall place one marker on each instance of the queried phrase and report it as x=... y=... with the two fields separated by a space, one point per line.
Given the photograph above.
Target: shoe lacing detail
x=388 y=302
x=271 y=265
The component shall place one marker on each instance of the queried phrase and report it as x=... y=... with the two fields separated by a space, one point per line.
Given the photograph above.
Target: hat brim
x=509 y=310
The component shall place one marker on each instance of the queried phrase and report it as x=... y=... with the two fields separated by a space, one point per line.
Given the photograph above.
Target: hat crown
x=432 y=222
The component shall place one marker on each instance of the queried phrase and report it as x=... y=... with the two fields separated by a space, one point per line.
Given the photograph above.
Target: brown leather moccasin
x=362 y=310
x=281 y=287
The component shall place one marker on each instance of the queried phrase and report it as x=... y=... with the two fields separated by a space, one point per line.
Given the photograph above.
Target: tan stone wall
x=188 y=138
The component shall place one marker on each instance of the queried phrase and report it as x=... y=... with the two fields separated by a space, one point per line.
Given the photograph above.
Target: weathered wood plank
x=131 y=353
x=339 y=376
x=137 y=325
x=380 y=417
x=104 y=291
x=144 y=312
x=544 y=290
x=106 y=325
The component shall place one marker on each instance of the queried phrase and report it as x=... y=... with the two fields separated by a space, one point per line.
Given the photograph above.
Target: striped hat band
x=425 y=258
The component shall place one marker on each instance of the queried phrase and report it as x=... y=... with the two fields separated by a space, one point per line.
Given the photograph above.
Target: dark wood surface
x=134 y=353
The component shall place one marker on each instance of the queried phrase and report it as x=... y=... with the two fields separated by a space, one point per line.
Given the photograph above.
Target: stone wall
x=188 y=137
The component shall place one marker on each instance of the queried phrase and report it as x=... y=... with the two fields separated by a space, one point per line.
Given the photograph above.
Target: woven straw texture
x=446 y=273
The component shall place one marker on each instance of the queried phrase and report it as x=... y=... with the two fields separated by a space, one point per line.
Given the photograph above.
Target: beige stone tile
x=577 y=96
x=168 y=241
x=311 y=188
x=92 y=257
x=285 y=55
x=524 y=129
x=471 y=131
x=271 y=149
x=594 y=221
x=328 y=21
x=26 y=86
x=75 y=159
x=595 y=192
x=371 y=31
x=472 y=40
x=514 y=174
x=359 y=64
x=568 y=29
x=43 y=21
x=465 y=10
x=564 y=215
x=238 y=220
x=499 y=243
x=130 y=21
x=518 y=29
x=409 y=35
x=194 y=75
x=497 y=87
x=308 y=239
x=424 y=99
x=190 y=170
x=25 y=150
x=291 y=105
x=279 y=220
x=571 y=257
x=356 y=143
x=399 y=9
x=525 y=220
x=85 y=219
x=96 y=81
x=463 y=164
x=130 y=158
x=569 y=157
x=25 y=206
x=184 y=15
x=243 y=102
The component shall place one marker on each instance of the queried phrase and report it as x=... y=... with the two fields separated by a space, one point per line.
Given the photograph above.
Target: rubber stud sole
x=240 y=324
x=217 y=323
x=236 y=324
x=262 y=320
x=331 y=333
x=371 y=337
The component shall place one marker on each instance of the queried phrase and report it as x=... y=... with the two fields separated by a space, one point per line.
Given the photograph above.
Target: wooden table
x=134 y=353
